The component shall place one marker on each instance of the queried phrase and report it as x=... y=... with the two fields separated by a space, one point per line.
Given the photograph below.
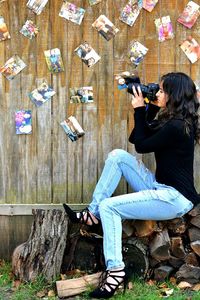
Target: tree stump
x=42 y=253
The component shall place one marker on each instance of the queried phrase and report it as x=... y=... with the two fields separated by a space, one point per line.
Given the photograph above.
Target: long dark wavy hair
x=182 y=101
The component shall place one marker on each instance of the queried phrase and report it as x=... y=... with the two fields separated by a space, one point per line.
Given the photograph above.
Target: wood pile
x=173 y=246
x=153 y=250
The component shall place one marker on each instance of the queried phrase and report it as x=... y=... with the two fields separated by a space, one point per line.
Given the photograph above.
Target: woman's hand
x=137 y=98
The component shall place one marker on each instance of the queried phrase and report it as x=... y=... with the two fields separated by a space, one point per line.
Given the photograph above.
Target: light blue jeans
x=150 y=201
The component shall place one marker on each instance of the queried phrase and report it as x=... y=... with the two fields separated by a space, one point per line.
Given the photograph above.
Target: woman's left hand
x=137 y=98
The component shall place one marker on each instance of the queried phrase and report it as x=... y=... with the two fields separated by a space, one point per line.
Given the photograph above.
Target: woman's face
x=162 y=98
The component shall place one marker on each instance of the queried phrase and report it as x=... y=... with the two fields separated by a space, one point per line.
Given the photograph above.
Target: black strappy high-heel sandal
x=83 y=218
x=107 y=289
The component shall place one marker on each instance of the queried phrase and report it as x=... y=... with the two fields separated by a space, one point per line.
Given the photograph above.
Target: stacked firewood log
x=173 y=246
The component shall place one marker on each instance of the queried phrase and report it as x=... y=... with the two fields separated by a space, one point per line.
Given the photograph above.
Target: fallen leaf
x=184 y=285
x=151 y=282
x=51 y=293
x=16 y=283
x=130 y=285
x=41 y=294
x=166 y=292
x=172 y=280
x=63 y=276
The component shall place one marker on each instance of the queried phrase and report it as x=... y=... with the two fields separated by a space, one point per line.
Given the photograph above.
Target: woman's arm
x=167 y=136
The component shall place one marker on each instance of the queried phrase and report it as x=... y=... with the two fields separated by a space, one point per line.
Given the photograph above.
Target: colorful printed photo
x=54 y=60
x=105 y=27
x=72 y=128
x=93 y=2
x=191 y=48
x=189 y=14
x=36 y=6
x=130 y=12
x=149 y=4
x=4 y=34
x=29 y=30
x=23 y=122
x=42 y=94
x=81 y=95
x=87 y=54
x=137 y=52
x=12 y=67
x=71 y=12
x=164 y=28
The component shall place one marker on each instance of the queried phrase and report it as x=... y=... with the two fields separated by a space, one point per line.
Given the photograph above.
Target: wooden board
x=46 y=167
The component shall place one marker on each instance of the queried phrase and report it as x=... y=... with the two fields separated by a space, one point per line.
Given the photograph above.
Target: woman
x=168 y=194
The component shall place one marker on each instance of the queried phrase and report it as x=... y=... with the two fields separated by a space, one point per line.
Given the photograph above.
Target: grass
x=10 y=289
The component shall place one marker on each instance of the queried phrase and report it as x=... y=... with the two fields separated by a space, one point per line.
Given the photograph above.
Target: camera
x=148 y=91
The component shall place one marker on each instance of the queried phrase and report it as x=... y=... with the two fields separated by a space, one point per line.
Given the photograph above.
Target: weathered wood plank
x=75 y=70
x=121 y=101
x=15 y=143
x=90 y=78
x=105 y=91
x=59 y=82
x=43 y=118
x=3 y=110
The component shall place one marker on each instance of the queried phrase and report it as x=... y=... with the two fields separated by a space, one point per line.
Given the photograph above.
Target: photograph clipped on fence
x=81 y=95
x=12 y=67
x=189 y=15
x=23 y=122
x=72 y=128
x=136 y=52
x=164 y=28
x=54 y=60
x=105 y=27
x=88 y=55
x=41 y=94
x=130 y=12
x=29 y=29
x=4 y=34
x=149 y=4
x=71 y=12
x=36 y=6
x=191 y=48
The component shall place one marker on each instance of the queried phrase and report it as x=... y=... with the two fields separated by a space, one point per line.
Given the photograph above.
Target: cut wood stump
x=42 y=253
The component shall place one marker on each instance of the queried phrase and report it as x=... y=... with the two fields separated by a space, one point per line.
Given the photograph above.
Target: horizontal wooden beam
x=26 y=209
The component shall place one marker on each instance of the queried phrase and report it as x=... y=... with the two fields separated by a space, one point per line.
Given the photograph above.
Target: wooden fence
x=46 y=167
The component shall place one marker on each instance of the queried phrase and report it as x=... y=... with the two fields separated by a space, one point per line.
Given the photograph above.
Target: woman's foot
x=83 y=217
x=111 y=280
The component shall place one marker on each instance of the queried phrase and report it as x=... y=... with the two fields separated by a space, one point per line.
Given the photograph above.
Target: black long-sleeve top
x=173 y=149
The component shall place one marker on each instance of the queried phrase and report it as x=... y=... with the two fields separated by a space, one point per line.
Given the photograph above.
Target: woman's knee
x=121 y=156
x=118 y=155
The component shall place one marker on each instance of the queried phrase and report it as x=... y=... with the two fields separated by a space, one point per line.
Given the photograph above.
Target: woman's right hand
x=137 y=98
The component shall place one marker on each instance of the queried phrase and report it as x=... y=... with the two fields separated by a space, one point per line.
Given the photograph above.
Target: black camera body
x=148 y=91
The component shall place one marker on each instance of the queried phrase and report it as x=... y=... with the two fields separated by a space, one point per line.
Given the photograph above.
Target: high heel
x=107 y=288
x=83 y=217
